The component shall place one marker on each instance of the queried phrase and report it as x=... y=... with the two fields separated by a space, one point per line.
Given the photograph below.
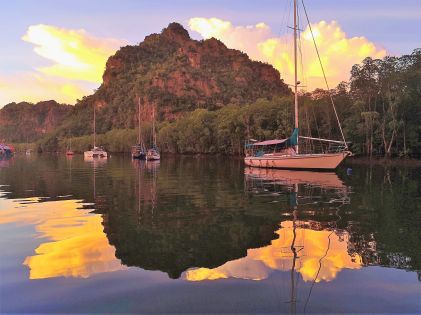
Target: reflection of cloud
x=75 y=53
x=260 y=262
x=339 y=52
x=75 y=245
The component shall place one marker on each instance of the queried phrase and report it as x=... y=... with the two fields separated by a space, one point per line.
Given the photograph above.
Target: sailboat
x=96 y=152
x=285 y=153
x=138 y=150
x=153 y=153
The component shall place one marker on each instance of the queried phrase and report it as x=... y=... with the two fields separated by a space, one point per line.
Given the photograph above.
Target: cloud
x=338 y=51
x=35 y=87
x=77 y=64
x=75 y=54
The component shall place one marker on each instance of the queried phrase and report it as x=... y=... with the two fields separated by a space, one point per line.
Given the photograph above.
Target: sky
x=56 y=49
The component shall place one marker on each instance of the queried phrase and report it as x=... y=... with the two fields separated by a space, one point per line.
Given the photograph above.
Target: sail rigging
x=286 y=153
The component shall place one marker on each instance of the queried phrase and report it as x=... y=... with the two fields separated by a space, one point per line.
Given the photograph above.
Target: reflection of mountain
x=208 y=214
x=200 y=237
x=321 y=249
x=321 y=255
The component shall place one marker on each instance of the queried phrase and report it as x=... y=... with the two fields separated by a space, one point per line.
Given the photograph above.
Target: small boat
x=69 y=152
x=285 y=153
x=28 y=151
x=138 y=150
x=96 y=152
x=6 y=150
x=153 y=153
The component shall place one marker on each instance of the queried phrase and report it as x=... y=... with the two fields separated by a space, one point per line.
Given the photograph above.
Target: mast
x=153 y=127
x=94 y=128
x=138 y=119
x=295 y=71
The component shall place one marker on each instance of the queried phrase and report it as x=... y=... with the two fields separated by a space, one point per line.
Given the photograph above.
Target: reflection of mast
x=293 y=300
x=318 y=271
x=94 y=168
x=153 y=188
x=139 y=191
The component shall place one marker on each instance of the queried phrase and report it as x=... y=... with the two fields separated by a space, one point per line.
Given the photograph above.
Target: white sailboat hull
x=95 y=153
x=153 y=157
x=327 y=161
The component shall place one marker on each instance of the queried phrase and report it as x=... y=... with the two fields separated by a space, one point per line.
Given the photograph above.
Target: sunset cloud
x=35 y=87
x=338 y=51
x=75 y=54
x=77 y=64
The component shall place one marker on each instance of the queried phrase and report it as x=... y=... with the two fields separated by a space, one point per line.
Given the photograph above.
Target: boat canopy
x=291 y=141
x=271 y=142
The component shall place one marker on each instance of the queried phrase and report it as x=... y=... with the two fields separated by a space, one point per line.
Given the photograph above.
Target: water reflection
x=321 y=255
x=206 y=220
x=314 y=248
x=73 y=243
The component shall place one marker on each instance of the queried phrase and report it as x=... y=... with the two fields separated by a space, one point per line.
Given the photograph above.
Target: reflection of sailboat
x=284 y=153
x=287 y=177
x=96 y=152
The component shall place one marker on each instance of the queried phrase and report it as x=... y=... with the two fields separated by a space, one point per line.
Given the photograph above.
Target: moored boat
x=138 y=150
x=153 y=153
x=285 y=153
x=6 y=150
x=96 y=152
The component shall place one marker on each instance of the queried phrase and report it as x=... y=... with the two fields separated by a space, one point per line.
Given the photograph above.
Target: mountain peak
x=175 y=31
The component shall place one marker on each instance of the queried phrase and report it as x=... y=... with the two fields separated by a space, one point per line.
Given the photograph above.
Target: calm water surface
x=206 y=235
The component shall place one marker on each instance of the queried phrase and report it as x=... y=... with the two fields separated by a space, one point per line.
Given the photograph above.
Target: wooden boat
x=96 y=152
x=138 y=150
x=284 y=153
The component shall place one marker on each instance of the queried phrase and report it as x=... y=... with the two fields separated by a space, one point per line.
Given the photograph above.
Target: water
x=205 y=235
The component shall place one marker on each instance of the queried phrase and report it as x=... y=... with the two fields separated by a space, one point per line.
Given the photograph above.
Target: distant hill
x=23 y=122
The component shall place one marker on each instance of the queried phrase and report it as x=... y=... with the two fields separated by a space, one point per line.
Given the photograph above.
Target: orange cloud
x=315 y=252
x=75 y=54
x=338 y=51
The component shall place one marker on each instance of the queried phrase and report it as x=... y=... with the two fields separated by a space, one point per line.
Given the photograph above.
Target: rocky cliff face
x=21 y=122
x=174 y=73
